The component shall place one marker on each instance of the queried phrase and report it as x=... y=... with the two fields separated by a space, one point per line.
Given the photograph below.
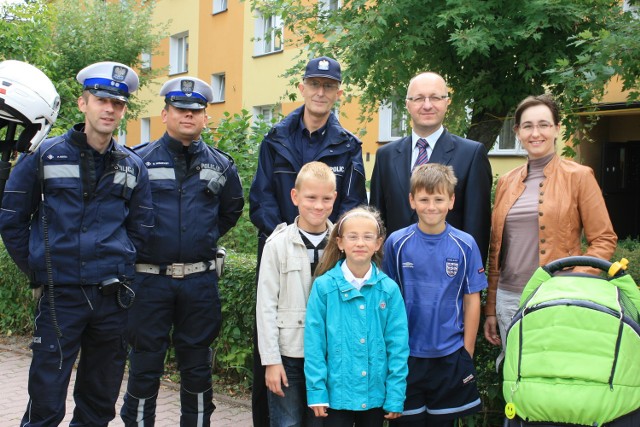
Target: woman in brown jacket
x=540 y=212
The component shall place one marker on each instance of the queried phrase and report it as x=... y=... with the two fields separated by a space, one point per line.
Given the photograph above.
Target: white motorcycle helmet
x=28 y=98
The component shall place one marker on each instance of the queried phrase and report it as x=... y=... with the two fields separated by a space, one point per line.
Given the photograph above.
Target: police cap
x=187 y=92
x=109 y=80
x=325 y=67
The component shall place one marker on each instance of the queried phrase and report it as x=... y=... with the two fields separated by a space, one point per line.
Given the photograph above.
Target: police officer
x=312 y=132
x=197 y=198
x=75 y=213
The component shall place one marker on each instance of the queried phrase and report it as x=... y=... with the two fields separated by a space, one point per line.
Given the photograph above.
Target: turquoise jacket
x=356 y=343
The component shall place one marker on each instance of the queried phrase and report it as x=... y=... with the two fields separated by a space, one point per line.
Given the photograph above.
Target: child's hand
x=275 y=377
x=319 y=411
x=393 y=415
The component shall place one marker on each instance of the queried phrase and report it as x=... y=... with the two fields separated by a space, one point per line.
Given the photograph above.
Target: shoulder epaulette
x=217 y=150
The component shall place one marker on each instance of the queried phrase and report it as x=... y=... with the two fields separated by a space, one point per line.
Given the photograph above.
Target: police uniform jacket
x=194 y=206
x=278 y=166
x=571 y=204
x=94 y=226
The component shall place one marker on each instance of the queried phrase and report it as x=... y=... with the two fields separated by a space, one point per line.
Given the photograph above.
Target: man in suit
x=427 y=102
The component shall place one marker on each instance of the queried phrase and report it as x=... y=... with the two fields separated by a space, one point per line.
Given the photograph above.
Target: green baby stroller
x=572 y=353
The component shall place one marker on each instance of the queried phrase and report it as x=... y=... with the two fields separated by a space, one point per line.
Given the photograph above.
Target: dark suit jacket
x=472 y=208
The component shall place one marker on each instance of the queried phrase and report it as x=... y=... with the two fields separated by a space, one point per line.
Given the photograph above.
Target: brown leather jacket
x=570 y=202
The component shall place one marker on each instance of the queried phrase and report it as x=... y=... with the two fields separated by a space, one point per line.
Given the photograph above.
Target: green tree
x=493 y=53
x=64 y=36
x=611 y=52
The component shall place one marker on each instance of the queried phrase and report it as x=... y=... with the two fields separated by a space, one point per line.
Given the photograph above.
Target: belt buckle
x=177 y=270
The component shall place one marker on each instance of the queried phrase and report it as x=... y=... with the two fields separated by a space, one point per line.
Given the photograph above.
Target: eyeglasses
x=353 y=238
x=328 y=87
x=434 y=99
x=542 y=127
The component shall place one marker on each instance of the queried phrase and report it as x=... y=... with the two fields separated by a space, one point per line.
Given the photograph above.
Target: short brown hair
x=315 y=170
x=531 y=101
x=433 y=177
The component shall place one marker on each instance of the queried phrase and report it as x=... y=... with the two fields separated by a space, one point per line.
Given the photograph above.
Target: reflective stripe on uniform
x=61 y=171
x=162 y=173
x=123 y=178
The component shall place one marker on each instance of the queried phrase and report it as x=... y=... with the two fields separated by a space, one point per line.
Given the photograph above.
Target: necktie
x=422 y=152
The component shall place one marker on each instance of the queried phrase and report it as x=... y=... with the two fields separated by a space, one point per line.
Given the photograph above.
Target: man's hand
x=275 y=377
x=491 y=330
x=37 y=293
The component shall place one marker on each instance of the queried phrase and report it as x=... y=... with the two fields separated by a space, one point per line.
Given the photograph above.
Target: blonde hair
x=315 y=170
x=332 y=253
x=433 y=177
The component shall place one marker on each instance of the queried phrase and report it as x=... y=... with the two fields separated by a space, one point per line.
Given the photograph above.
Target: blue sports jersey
x=434 y=272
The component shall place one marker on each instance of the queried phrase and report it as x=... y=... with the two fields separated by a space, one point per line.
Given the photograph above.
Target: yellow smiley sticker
x=510 y=411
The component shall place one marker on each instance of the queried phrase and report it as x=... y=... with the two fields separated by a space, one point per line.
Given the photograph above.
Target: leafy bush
x=16 y=306
x=233 y=348
x=629 y=249
x=239 y=137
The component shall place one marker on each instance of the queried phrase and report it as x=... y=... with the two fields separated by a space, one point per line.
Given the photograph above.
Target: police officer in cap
x=197 y=198
x=76 y=211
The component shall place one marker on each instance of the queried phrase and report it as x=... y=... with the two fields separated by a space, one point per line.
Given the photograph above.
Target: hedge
x=233 y=348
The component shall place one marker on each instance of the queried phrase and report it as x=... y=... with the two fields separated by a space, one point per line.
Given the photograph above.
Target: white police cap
x=187 y=92
x=109 y=80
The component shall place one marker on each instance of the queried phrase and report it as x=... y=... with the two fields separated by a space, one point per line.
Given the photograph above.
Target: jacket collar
x=343 y=285
x=548 y=170
x=175 y=146
x=336 y=134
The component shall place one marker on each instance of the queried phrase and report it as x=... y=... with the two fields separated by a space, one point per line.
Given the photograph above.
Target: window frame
x=507 y=130
x=218 y=85
x=219 y=6
x=179 y=53
x=386 y=117
x=268 y=35
x=145 y=129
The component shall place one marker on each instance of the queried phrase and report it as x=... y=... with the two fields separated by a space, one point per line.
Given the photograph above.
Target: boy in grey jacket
x=289 y=259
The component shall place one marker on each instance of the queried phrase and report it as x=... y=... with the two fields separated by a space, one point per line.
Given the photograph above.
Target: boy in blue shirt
x=440 y=273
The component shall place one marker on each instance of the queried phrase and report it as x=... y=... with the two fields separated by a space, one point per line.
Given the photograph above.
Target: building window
x=122 y=136
x=219 y=6
x=634 y=9
x=264 y=113
x=507 y=143
x=268 y=35
x=145 y=61
x=217 y=84
x=329 y=4
x=179 y=53
x=145 y=130
x=393 y=121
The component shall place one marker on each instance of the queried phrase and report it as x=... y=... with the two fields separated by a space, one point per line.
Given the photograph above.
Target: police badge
x=323 y=65
x=186 y=86
x=119 y=73
x=452 y=267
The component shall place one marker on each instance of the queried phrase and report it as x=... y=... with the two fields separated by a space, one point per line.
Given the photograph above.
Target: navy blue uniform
x=98 y=214
x=197 y=197
x=280 y=161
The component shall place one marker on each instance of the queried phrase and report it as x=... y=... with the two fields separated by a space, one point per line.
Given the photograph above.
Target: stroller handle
x=579 y=261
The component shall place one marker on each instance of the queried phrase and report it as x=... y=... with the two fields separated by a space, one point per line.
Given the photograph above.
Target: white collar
x=431 y=139
x=349 y=277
